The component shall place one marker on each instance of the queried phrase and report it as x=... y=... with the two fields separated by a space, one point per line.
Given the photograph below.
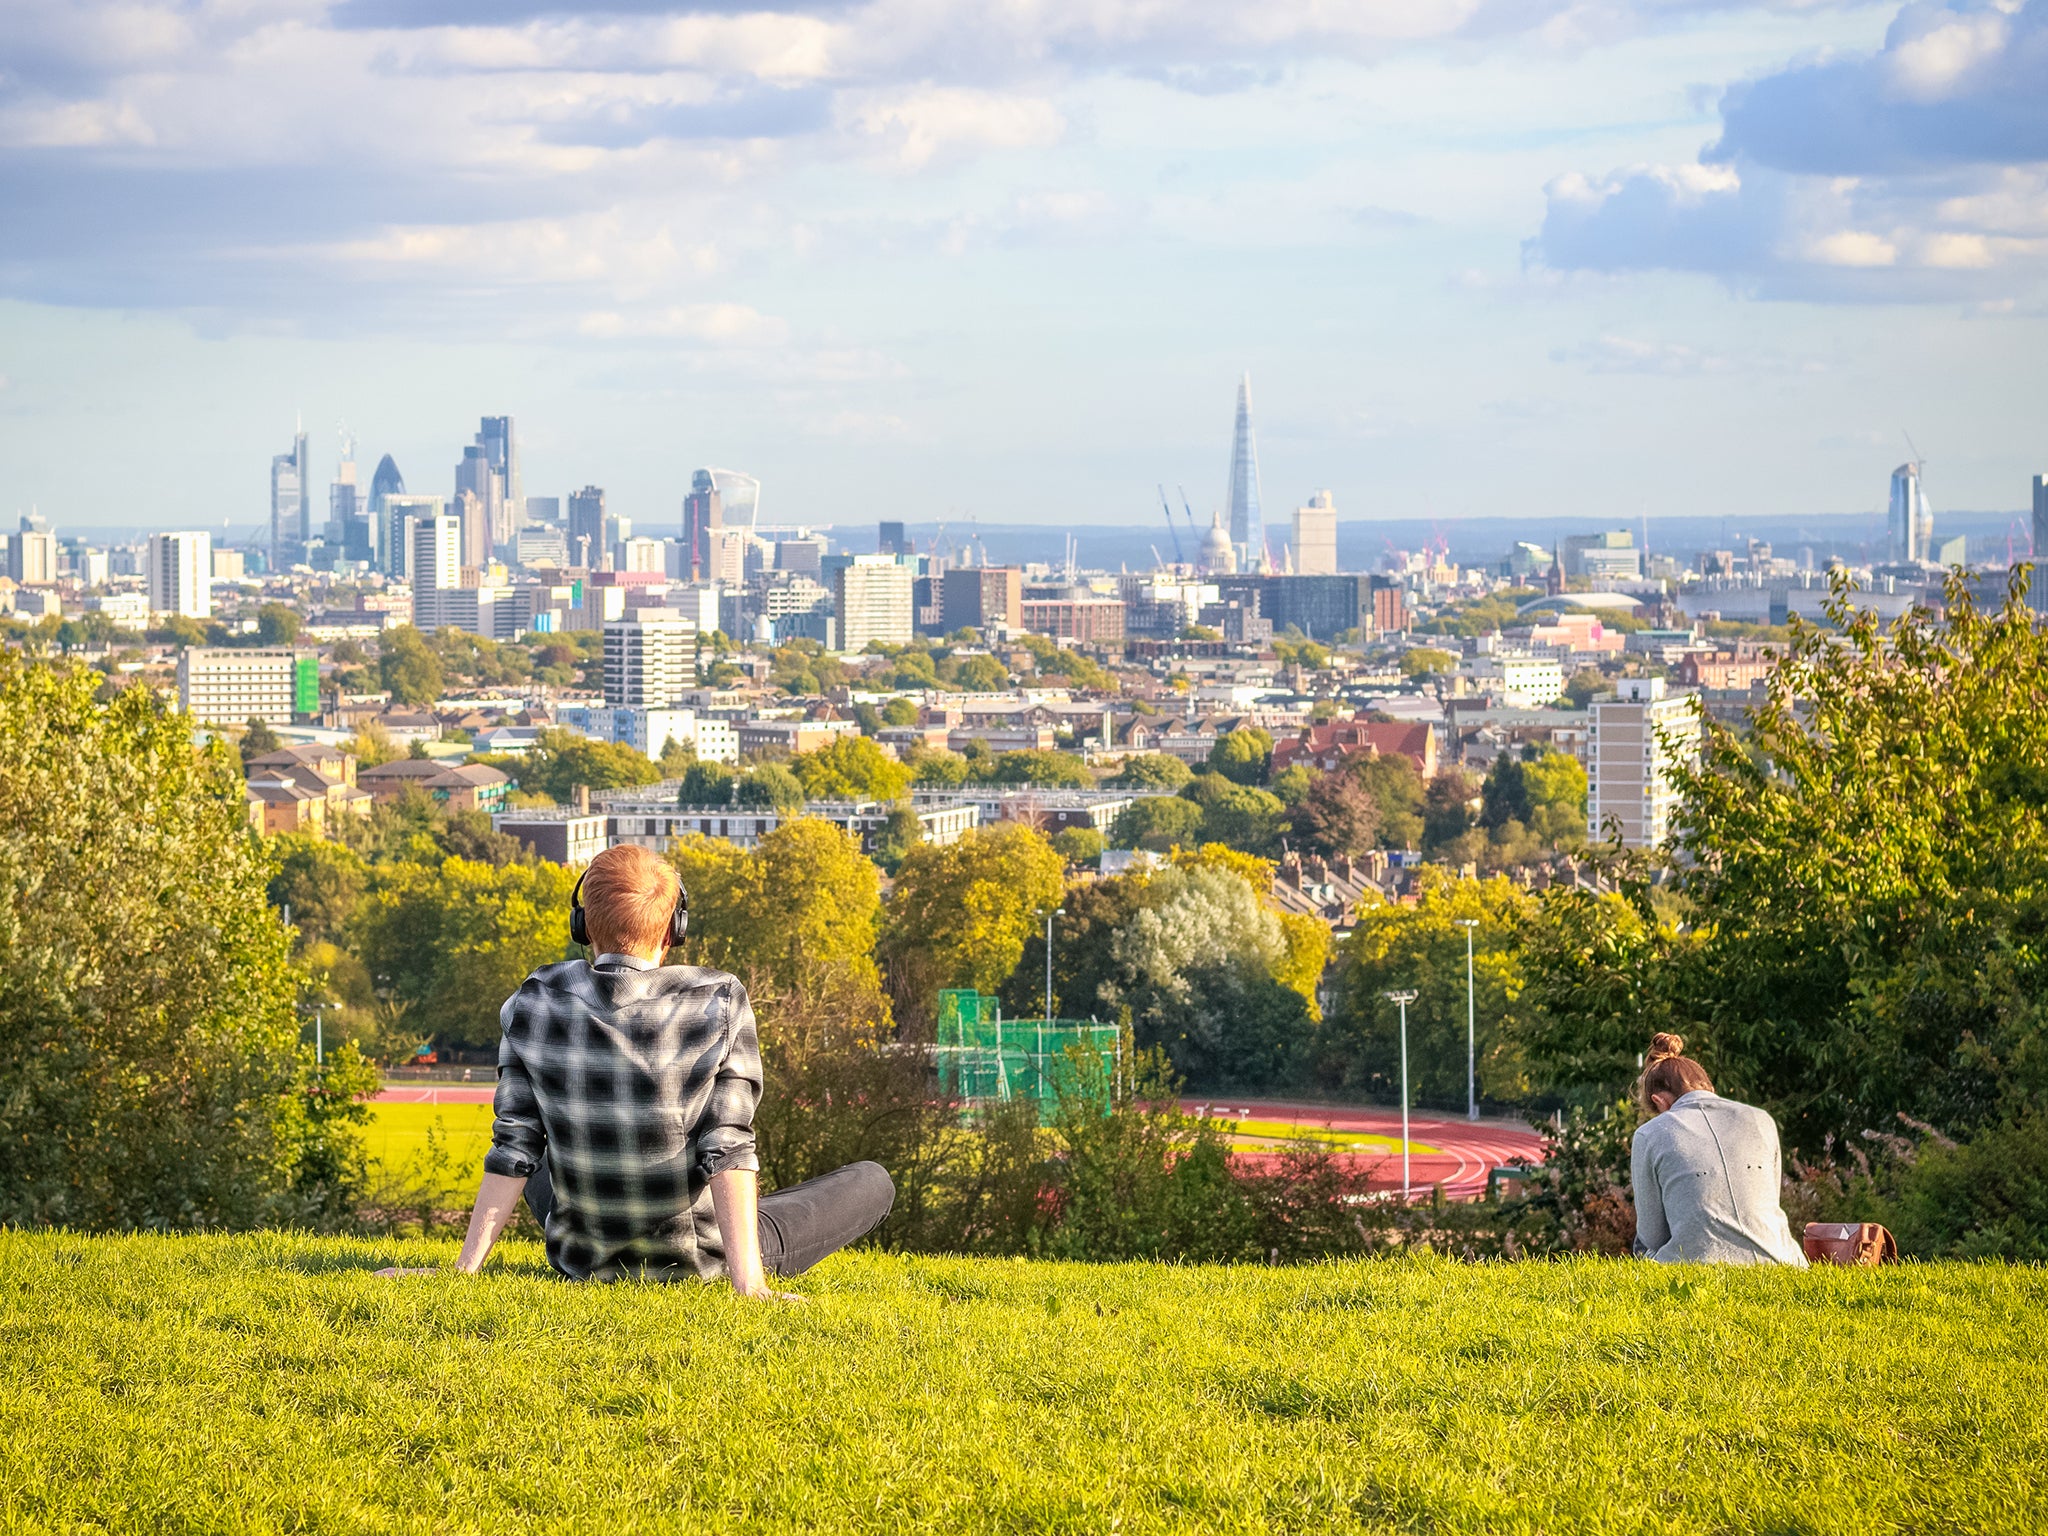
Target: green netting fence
x=984 y=1058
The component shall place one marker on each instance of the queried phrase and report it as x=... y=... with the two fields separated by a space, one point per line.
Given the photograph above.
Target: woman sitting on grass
x=1707 y=1170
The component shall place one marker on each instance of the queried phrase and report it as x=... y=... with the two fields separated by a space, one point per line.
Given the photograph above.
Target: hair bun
x=1663 y=1047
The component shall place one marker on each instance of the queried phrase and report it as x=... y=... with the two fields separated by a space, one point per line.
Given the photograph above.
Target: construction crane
x=1193 y=526
x=1167 y=507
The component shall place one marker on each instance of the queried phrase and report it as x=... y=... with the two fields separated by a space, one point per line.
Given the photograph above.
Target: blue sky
x=914 y=259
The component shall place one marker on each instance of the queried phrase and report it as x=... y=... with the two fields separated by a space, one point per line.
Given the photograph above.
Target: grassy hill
x=271 y=1382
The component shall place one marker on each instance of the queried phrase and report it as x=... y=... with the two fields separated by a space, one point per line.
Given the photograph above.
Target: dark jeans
x=799 y=1225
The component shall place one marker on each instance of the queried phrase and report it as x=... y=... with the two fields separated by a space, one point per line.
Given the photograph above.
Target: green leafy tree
x=1397 y=789
x=707 y=783
x=257 y=739
x=560 y=760
x=1079 y=846
x=980 y=674
x=961 y=912
x=899 y=712
x=321 y=883
x=1152 y=770
x=1242 y=755
x=1422 y=948
x=938 y=769
x=277 y=625
x=850 y=768
x=1044 y=770
x=454 y=941
x=1238 y=815
x=1292 y=784
x=372 y=745
x=148 y=1040
x=408 y=667
x=1158 y=823
x=770 y=786
x=1447 y=812
x=1425 y=660
x=1585 y=685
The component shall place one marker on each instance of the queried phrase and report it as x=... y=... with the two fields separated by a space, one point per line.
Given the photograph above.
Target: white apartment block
x=231 y=687
x=875 y=598
x=1523 y=682
x=181 y=574
x=436 y=565
x=1632 y=746
x=650 y=657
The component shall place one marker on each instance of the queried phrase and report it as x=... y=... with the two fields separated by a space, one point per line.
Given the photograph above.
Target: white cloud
x=733 y=325
x=913 y=127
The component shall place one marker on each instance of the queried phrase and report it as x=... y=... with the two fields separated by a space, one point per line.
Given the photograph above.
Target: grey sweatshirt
x=1707 y=1175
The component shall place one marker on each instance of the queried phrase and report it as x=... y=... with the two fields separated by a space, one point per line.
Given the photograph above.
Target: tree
x=900 y=833
x=561 y=760
x=1338 y=816
x=1239 y=815
x=1081 y=846
x=677 y=758
x=770 y=786
x=148 y=1041
x=899 y=712
x=1157 y=822
x=1446 y=810
x=1504 y=797
x=850 y=768
x=1292 y=784
x=1423 y=660
x=277 y=625
x=257 y=739
x=1585 y=685
x=1422 y=948
x=371 y=745
x=1044 y=770
x=455 y=940
x=1556 y=787
x=1395 y=784
x=961 y=912
x=938 y=769
x=320 y=882
x=1242 y=755
x=707 y=783
x=801 y=903
x=410 y=670
x=1152 y=770
x=981 y=674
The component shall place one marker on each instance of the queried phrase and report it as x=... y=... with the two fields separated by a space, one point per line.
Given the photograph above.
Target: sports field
x=273 y=1383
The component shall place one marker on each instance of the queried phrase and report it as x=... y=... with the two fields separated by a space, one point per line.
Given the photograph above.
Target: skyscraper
x=474 y=518
x=1911 y=523
x=387 y=481
x=181 y=574
x=1247 y=522
x=402 y=514
x=32 y=554
x=703 y=515
x=587 y=545
x=436 y=569
x=649 y=657
x=2038 y=590
x=890 y=539
x=501 y=448
x=291 y=483
x=1315 y=536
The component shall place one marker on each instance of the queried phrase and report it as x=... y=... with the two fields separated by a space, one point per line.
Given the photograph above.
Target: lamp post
x=1049 y=916
x=1404 y=999
x=1471 y=1026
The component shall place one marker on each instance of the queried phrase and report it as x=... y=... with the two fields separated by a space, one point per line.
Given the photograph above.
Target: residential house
x=459 y=786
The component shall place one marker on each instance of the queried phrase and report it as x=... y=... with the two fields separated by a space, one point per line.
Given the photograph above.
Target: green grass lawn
x=399 y=1131
x=272 y=1383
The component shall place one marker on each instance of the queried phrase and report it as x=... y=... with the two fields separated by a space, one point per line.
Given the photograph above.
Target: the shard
x=1247 y=523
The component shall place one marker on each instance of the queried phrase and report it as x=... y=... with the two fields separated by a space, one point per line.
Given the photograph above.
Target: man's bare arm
x=736 y=1201
x=496 y=1199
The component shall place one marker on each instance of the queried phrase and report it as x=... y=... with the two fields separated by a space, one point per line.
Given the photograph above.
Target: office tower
x=1247 y=522
x=587 y=546
x=643 y=556
x=650 y=657
x=402 y=514
x=1315 y=536
x=181 y=574
x=1634 y=743
x=501 y=447
x=291 y=483
x=873 y=596
x=232 y=687
x=703 y=515
x=1602 y=556
x=543 y=509
x=32 y=554
x=474 y=519
x=1910 y=522
x=2038 y=591
x=891 y=540
x=385 y=482
x=541 y=544
x=476 y=476
x=982 y=596
x=436 y=569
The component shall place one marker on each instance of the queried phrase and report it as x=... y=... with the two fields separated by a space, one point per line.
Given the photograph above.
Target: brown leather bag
x=1849 y=1242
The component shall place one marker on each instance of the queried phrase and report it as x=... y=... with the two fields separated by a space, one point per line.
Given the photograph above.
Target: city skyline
x=902 y=267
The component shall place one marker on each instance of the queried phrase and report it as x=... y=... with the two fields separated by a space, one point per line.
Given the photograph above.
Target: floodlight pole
x=1403 y=999
x=1471 y=1026
x=1049 y=916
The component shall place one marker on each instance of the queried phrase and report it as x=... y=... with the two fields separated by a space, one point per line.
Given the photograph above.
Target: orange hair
x=1669 y=1070
x=628 y=893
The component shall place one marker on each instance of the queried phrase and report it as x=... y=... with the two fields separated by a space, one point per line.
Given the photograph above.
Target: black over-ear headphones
x=579 y=923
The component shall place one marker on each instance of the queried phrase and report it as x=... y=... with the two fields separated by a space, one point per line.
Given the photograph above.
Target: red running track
x=1465 y=1152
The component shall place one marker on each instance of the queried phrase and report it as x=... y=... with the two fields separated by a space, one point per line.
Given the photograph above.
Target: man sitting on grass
x=625 y=1111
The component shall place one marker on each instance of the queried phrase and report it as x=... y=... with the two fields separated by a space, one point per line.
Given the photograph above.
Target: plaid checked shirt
x=637 y=1085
